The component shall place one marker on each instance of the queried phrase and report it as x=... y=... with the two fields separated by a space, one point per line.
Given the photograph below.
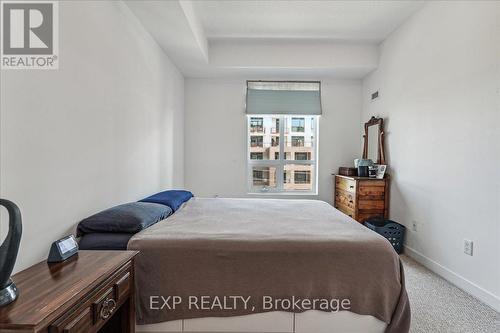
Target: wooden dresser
x=91 y=292
x=362 y=197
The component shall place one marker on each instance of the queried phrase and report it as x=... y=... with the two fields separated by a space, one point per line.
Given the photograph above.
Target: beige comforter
x=261 y=250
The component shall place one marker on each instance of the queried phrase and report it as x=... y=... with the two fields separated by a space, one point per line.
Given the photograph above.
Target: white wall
x=97 y=132
x=215 y=135
x=439 y=84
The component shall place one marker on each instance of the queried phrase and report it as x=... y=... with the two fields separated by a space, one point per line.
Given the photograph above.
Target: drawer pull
x=351 y=186
x=108 y=306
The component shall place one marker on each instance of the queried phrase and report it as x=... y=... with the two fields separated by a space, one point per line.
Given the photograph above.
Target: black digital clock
x=62 y=249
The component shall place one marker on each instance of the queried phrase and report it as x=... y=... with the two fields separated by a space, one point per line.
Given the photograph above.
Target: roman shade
x=283 y=97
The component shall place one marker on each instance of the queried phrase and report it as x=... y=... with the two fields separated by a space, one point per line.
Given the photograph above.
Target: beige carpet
x=438 y=306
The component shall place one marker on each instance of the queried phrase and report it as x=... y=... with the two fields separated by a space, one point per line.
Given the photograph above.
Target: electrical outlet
x=414 y=226
x=468 y=247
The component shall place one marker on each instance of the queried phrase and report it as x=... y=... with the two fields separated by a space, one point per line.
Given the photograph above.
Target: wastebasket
x=393 y=231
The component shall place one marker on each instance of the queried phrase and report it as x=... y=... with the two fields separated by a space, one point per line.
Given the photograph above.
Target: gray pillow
x=128 y=218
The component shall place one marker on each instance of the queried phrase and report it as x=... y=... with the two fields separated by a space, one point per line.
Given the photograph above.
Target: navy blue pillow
x=104 y=241
x=172 y=198
x=128 y=218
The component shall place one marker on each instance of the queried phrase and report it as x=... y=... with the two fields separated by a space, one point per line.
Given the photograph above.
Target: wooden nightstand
x=91 y=292
x=362 y=197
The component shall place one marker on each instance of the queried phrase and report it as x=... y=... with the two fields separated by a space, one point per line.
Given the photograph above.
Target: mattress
x=282 y=322
x=265 y=249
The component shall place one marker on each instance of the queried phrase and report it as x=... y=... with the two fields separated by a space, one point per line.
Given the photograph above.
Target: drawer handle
x=108 y=306
x=351 y=186
x=350 y=201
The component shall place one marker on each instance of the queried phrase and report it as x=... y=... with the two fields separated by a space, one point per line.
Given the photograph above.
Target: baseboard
x=454 y=278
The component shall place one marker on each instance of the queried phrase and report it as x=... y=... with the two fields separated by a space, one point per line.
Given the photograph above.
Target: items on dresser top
x=363 y=166
x=348 y=171
x=91 y=292
x=381 y=169
x=362 y=162
x=362 y=197
x=372 y=171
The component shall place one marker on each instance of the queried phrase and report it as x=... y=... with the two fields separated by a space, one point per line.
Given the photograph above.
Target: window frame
x=280 y=163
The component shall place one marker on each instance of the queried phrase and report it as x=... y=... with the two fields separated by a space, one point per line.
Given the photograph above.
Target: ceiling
x=266 y=39
x=344 y=20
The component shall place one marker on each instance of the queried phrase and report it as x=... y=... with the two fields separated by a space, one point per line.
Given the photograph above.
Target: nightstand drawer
x=122 y=286
x=79 y=324
x=99 y=307
x=88 y=293
x=104 y=307
x=107 y=301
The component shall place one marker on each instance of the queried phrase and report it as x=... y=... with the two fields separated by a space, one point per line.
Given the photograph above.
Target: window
x=261 y=176
x=256 y=156
x=302 y=177
x=297 y=141
x=264 y=177
x=298 y=124
x=256 y=141
x=256 y=124
x=280 y=162
x=302 y=156
x=276 y=128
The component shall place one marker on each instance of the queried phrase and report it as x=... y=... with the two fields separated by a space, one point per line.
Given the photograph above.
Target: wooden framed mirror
x=373 y=147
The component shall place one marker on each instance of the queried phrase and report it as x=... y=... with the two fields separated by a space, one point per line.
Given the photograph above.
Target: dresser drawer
x=371 y=204
x=345 y=184
x=363 y=216
x=362 y=197
x=372 y=190
x=345 y=198
x=346 y=210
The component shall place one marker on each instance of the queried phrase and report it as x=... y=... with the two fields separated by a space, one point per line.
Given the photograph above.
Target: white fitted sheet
x=274 y=322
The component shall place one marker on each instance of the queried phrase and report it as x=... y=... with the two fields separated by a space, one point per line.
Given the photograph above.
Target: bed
x=266 y=250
